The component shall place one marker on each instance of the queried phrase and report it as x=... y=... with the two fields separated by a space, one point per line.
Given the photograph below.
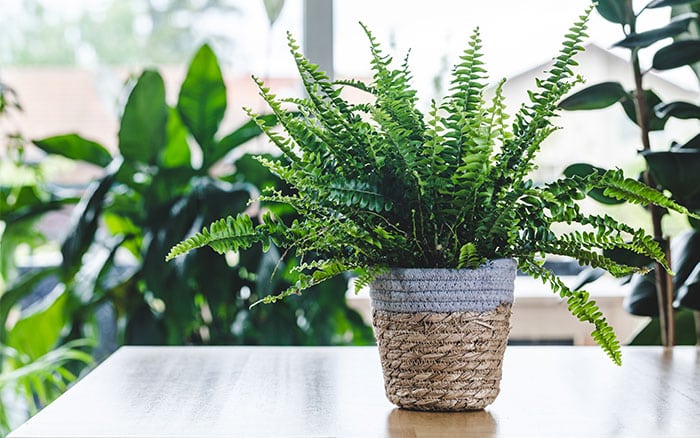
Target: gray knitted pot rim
x=419 y=274
x=445 y=290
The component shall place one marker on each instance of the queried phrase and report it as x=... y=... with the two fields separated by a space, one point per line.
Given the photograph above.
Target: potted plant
x=433 y=212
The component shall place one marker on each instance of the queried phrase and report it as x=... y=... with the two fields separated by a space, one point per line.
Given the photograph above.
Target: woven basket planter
x=442 y=334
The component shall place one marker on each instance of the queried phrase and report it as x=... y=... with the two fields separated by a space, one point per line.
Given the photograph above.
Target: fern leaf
x=324 y=270
x=367 y=275
x=229 y=234
x=580 y=306
x=469 y=257
x=630 y=190
x=532 y=123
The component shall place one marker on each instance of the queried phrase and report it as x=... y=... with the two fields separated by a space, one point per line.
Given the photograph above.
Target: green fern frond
x=354 y=83
x=229 y=234
x=573 y=248
x=469 y=78
x=355 y=193
x=284 y=144
x=532 y=123
x=324 y=270
x=395 y=106
x=497 y=127
x=580 y=306
x=630 y=190
x=469 y=257
x=368 y=275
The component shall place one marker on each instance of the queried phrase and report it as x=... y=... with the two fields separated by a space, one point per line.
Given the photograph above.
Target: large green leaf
x=75 y=147
x=688 y=294
x=14 y=236
x=596 y=96
x=644 y=39
x=693 y=29
x=677 y=54
x=685 y=259
x=685 y=331
x=177 y=151
x=98 y=259
x=676 y=171
x=679 y=110
x=652 y=100
x=243 y=134
x=685 y=254
x=642 y=300
x=13 y=199
x=585 y=169
x=615 y=11
x=202 y=100
x=165 y=187
x=39 y=328
x=143 y=126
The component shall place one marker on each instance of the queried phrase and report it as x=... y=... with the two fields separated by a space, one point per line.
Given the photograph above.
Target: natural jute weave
x=442 y=333
x=442 y=361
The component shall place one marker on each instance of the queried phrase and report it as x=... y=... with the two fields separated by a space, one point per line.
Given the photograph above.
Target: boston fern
x=380 y=185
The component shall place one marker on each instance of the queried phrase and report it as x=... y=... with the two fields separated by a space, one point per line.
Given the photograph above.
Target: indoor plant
x=672 y=169
x=380 y=186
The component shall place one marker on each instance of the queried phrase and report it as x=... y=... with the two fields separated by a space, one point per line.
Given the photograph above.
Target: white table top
x=338 y=391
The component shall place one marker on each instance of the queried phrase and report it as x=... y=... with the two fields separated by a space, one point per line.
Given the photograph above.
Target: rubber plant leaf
x=676 y=171
x=679 y=110
x=585 y=169
x=615 y=11
x=652 y=100
x=677 y=54
x=596 y=96
x=644 y=39
x=663 y=3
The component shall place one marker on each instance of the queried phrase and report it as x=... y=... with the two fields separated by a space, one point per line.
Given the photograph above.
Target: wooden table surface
x=337 y=391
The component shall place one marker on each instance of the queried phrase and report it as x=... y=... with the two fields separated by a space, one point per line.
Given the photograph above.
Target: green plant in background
x=380 y=185
x=24 y=194
x=31 y=372
x=38 y=380
x=675 y=170
x=112 y=278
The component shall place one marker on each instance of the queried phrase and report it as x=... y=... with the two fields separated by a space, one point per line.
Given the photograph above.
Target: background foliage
x=113 y=286
x=674 y=169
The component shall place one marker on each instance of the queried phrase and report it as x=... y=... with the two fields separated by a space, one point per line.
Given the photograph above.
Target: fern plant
x=381 y=185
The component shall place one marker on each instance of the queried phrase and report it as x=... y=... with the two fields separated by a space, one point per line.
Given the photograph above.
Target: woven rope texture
x=442 y=361
x=445 y=290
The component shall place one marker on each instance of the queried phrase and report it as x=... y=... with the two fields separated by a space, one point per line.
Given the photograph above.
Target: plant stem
x=664 y=286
